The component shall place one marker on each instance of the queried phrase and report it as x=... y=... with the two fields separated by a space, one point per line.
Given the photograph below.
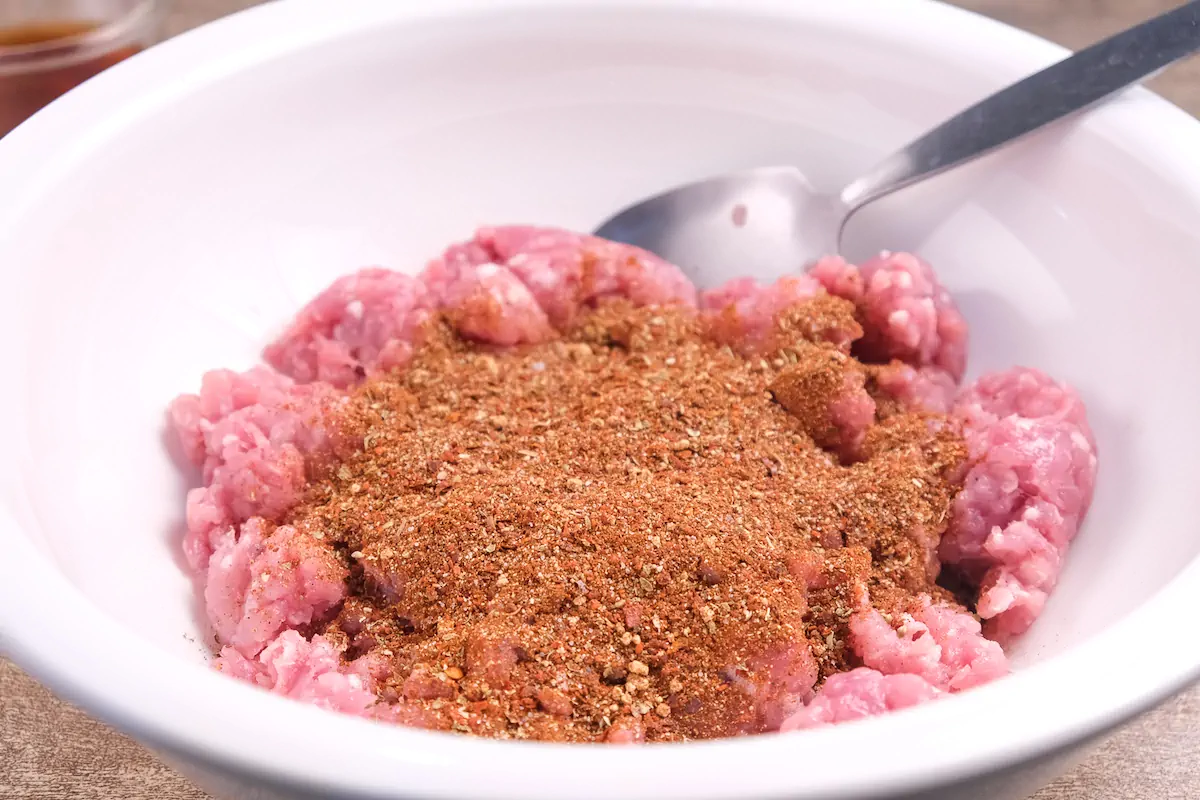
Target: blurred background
x=49 y=750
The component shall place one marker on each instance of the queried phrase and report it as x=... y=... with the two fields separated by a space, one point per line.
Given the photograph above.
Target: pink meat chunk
x=1023 y=392
x=310 y=671
x=838 y=382
x=252 y=434
x=787 y=677
x=206 y=520
x=567 y=271
x=755 y=306
x=626 y=730
x=298 y=417
x=942 y=645
x=255 y=475
x=861 y=693
x=259 y=583
x=919 y=389
x=905 y=312
x=839 y=277
x=746 y=311
x=222 y=392
x=852 y=414
x=777 y=683
x=361 y=325
x=1027 y=490
x=485 y=301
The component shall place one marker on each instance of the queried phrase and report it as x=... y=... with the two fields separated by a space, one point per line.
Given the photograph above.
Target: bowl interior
x=178 y=232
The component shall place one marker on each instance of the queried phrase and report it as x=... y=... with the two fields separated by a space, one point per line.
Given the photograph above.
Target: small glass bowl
x=48 y=47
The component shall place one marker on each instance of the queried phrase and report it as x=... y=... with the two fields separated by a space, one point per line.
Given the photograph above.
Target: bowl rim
x=237 y=729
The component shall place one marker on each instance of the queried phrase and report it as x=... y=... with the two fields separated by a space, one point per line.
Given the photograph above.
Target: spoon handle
x=1045 y=97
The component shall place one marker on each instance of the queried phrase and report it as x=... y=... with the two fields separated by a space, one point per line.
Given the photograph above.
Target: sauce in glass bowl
x=43 y=58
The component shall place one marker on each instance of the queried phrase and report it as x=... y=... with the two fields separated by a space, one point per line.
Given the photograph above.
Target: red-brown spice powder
x=620 y=531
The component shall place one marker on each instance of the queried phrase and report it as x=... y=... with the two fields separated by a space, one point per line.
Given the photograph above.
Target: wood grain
x=49 y=750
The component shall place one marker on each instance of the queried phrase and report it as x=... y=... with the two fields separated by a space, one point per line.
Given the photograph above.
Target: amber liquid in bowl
x=35 y=83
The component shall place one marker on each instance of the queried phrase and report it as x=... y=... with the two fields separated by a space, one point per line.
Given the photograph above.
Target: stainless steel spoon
x=771 y=221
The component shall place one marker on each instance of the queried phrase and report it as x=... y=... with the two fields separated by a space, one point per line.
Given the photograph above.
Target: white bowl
x=169 y=216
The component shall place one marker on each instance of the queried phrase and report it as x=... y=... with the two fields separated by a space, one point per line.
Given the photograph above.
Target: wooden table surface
x=50 y=750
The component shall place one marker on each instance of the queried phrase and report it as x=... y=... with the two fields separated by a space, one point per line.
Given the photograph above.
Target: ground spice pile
x=622 y=534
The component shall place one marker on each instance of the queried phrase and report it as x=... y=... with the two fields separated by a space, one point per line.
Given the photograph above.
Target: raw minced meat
x=251 y=434
x=928 y=388
x=825 y=388
x=756 y=306
x=489 y=302
x=566 y=271
x=751 y=316
x=906 y=313
x=943 y=645
x=362 y=324
x=1025 y=495
x=308 y=670
x=1023 y=392
x=260 y=438
x=546 y=275
x=260 y=583
x=860 y=693
x=222 y=392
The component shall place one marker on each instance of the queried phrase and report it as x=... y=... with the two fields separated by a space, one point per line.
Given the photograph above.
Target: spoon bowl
x=765 y=220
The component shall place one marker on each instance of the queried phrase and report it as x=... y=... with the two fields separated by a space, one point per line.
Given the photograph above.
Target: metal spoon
x=771 y=221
